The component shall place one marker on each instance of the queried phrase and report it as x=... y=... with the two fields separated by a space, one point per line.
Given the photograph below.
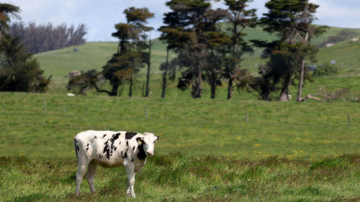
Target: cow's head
x=148 y=142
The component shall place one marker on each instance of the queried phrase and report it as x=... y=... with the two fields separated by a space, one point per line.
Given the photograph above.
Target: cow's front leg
x=130 y=179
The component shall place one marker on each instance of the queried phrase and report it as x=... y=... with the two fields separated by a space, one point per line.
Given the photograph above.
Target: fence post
x=44 y=106
x=145 y=111
x=246 y=117
x=349 y=119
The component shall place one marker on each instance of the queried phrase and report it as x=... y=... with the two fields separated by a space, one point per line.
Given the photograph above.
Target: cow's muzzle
x=150 y=153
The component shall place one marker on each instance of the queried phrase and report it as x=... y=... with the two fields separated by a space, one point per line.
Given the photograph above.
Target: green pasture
x=286 y=151
x=311 y=130
x=242 y=149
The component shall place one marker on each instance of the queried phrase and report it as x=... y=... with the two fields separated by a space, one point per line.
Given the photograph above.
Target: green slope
x=94 y=55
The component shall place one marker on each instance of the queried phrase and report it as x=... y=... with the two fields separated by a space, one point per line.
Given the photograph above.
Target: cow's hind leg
x=82 y=164
x=91 y=175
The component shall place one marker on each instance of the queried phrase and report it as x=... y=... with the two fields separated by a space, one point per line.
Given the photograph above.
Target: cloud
x=338 y=13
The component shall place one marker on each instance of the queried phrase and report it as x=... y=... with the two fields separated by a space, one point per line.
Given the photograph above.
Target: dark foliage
x=41 y=38
x=84 y=82
x=18 y=71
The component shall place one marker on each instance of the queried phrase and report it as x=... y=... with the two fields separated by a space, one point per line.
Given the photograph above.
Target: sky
x=100 y=17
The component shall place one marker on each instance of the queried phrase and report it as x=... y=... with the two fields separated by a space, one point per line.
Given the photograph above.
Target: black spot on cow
x=141 y=154
x=106 y=150
x=109 y=147
x=125 y=155
x=120 y=143
x=95 y=137
x=132 y=160
x=127 y=143
x=87 y=144
x=104 y=136
x=100 y=156
x=129 y=135
x=122 y=152
x=134 y=148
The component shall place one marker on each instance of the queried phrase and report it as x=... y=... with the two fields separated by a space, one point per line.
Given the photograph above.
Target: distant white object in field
x=333 y=62
x=289 y=97
x=353 y=40
x=329 y=45
x=70 y=94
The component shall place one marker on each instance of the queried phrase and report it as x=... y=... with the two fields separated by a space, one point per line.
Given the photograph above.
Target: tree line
x=210 y=53
x=47 y=37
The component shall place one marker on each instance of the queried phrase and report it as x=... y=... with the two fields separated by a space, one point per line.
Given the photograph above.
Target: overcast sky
x=101 y=16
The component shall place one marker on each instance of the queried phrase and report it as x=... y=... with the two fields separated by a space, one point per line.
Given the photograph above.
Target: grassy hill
x=94 y=55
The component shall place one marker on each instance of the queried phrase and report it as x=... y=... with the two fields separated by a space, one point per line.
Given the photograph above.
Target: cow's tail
x=76 y=147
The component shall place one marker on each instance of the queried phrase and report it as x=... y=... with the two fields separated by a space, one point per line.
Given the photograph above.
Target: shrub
x=325 y=70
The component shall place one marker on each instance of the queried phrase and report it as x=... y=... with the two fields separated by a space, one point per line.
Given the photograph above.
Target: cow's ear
x=157 y=138
x=140 y=140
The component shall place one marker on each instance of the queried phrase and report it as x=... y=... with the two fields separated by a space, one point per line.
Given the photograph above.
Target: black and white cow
x=112 y=149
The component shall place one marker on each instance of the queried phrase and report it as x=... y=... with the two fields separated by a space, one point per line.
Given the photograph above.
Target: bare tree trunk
x=131 y=86
x=230 y=89
x=165 y=74
x=285 y=89
x=113 y=91
x=197 y=90
x=301 y=80
x=213 y=84
x=148 y=71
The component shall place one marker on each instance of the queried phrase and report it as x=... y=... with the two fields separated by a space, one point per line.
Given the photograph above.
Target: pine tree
x=291 y=21
x=18 y=71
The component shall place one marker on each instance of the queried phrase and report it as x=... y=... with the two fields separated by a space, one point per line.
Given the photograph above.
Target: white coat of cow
x=112 y=149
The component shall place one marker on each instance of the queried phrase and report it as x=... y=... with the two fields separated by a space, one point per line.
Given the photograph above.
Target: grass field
x=285 y=151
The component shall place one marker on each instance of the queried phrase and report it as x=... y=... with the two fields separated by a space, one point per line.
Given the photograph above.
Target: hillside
x=94 y=55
